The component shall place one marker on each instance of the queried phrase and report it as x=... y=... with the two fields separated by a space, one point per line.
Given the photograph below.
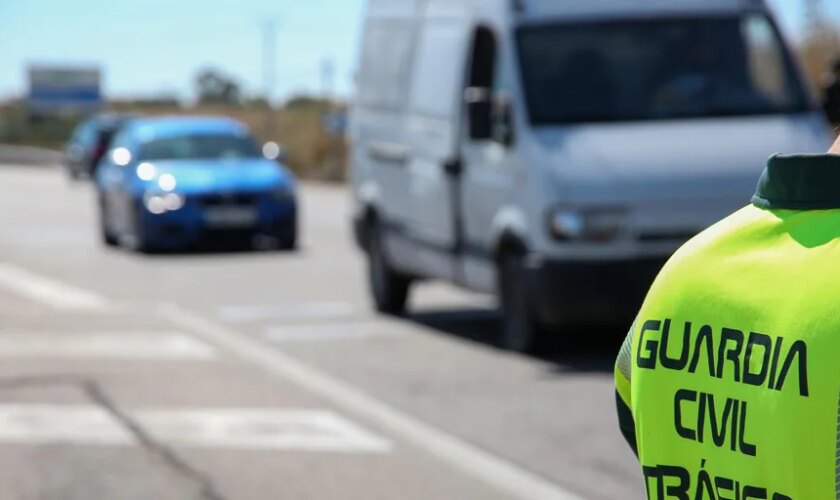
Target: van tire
x=519 y=329
x=389 y=289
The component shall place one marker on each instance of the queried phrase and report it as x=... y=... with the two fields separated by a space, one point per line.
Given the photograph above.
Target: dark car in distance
x=90 y=141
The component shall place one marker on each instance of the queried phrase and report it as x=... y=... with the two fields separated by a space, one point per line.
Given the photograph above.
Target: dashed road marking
x=235 y=428
x=324 y=332
x=47 y=291
x=117 y=345
x=470 y=459
x=286 y=312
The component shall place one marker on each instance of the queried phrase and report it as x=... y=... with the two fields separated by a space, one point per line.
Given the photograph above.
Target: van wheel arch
x=509 y=244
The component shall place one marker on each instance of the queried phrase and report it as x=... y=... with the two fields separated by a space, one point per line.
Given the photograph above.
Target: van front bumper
x=589 y=292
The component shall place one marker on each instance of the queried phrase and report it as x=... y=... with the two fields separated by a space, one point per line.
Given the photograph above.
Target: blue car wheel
x=108 y=238
x=287 y=237
x=139 y=233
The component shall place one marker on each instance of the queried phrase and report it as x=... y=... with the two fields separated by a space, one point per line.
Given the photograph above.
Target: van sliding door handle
x=388 y=152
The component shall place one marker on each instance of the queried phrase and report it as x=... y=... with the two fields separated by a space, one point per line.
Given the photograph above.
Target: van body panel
x=432 y=130
x=670 y=160
x=393 y=9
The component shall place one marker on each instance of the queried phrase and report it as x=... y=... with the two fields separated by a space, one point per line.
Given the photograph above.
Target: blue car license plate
x=230 y=217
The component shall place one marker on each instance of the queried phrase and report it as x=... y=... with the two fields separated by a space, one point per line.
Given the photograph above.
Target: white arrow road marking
x=235 y=428
x=331 y=331
x=124 y=346
x=286 y=312
x=47 y=291
x=459 y=454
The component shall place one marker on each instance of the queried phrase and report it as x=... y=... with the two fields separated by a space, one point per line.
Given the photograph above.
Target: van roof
x=544 y=10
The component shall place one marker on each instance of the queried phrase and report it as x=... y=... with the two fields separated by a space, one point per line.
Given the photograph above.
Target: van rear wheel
x=519 y=329
x=389 y=288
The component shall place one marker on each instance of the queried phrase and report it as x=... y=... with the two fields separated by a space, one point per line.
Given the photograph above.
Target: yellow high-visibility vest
x=729 y=382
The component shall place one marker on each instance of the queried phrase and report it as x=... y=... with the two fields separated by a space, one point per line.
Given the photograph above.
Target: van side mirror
x=479 y=112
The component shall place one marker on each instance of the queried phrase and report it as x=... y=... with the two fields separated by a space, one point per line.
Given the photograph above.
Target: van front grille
x=665 y=236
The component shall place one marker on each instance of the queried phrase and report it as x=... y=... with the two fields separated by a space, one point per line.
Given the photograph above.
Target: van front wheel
x=389 y=288
x=519 y=327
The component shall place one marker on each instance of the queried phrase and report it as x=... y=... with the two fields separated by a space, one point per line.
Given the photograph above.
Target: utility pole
x=814 y=21
x=270 y=75
x=327 y=78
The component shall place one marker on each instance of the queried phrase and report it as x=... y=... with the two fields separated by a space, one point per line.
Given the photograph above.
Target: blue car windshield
x=650 y=69
x=200 y=147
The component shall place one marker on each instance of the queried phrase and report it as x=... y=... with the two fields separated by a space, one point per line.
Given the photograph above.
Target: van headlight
x=596 y=225
x=160 y=203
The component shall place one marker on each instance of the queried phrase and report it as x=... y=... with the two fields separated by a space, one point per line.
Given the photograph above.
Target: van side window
x=483 y=65
x=488 y=91
x=765 y=58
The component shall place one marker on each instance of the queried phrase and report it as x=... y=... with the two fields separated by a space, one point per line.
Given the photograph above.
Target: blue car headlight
x=161 y=203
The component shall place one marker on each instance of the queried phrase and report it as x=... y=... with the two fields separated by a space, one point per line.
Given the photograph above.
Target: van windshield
x=657 y=69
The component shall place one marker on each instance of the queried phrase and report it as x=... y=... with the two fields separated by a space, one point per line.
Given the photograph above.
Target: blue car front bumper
x=194 y=221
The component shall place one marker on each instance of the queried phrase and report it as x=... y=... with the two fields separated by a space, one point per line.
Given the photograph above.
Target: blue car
x=168 y=183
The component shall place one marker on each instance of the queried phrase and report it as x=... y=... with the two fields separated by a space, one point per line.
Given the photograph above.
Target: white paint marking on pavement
x=301 y=430
x=331 y=331
x=459 y=454
x=49 y=424
x=236 y=428
x=49 y=237
x=123 y=346
x=290 y=312
x=47 y=291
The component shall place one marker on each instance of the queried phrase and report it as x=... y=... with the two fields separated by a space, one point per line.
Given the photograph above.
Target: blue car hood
x=198 y=176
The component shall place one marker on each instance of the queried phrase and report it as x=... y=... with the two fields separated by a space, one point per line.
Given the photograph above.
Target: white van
x=557 y=152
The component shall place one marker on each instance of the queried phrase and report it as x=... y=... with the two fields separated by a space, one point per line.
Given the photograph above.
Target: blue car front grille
x=228 y=199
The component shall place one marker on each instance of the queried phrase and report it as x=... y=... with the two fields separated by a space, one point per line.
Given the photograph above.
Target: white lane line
x=49 y=424
x=293 y=312
x=114 y=345
x=48 y=291
x=330 y=331
x=234 y=428
x=247 y=429
x=459 y=454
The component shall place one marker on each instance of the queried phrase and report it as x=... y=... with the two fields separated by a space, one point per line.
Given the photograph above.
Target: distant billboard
x=64 y=89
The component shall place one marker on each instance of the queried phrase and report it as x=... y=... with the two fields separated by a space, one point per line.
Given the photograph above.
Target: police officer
x=728 y=385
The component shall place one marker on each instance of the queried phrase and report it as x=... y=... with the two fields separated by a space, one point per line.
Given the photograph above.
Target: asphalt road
x=265 y=375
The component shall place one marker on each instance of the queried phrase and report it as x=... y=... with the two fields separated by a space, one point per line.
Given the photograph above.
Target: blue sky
x=156 y=46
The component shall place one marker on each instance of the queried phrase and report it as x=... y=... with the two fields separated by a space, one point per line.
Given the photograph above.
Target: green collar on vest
x=800 y=182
